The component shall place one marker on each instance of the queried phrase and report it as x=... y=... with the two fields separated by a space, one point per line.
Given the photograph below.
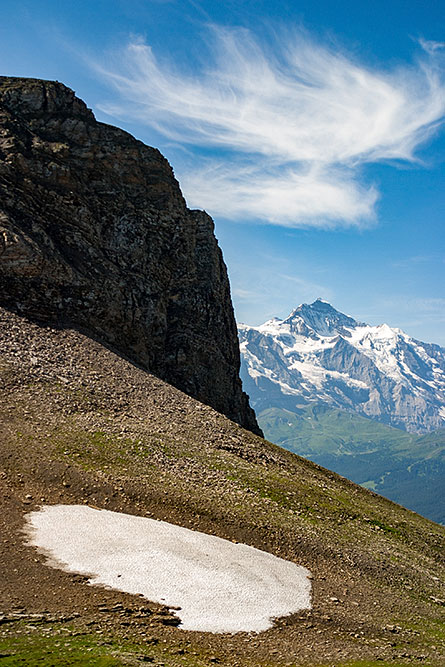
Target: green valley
x=405 y=467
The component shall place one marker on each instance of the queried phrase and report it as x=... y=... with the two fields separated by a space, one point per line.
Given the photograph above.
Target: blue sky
x=311 y=132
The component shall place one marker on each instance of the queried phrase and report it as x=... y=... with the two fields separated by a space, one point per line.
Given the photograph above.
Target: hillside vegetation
x=82 y=425
x=405 y=467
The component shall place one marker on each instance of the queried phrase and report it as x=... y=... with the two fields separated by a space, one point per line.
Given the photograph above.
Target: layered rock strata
x=95 y=235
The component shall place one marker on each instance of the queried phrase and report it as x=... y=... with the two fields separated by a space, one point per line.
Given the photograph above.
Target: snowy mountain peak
x=320 y=318
x=320 y=355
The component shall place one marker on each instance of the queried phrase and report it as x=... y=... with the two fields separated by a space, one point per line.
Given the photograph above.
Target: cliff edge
x=95 y=235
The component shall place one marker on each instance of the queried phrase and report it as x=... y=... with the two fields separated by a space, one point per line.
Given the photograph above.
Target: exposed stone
x=95 y=235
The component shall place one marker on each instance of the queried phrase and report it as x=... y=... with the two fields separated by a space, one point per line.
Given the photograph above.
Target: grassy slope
x=80 y=425
x=404 y=467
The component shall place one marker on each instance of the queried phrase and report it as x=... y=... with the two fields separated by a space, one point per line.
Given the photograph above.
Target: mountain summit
x=319 y=318
x=319 y=355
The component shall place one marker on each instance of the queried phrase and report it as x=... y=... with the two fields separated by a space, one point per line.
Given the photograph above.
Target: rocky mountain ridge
x=318 y=355
x=95 y=235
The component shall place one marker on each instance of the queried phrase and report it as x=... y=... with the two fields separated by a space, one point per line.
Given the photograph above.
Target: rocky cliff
x=95 y=235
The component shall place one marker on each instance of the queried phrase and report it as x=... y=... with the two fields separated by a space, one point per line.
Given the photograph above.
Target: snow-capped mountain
x=319 y=355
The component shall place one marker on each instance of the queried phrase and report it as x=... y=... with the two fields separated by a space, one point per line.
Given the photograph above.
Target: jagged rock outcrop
x=95 y=235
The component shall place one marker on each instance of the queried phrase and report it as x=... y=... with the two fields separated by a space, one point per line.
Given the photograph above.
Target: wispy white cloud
x=431 y=307
x=246 y=294
x=286 y=195
x=416 y=260
x=289 y=127
x=431 y=46
x=269 y=287
x=308 y=289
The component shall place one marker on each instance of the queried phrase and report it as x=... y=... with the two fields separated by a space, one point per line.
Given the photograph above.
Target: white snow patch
x=220 y=586
x=273 y=327
x=316 y=376
x=379 y=344
x=304 y=345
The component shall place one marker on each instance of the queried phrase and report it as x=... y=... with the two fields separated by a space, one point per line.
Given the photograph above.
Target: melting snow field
x=220 y=586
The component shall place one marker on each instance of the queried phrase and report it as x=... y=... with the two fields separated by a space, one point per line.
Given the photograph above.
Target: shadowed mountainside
x=95 y=235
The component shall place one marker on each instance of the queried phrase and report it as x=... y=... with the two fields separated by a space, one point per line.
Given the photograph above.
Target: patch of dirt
x=81 y=425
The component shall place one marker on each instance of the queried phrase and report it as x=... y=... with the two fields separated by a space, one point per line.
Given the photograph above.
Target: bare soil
x=81 y=425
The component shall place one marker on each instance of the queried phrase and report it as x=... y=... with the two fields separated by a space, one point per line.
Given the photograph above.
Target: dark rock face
x=95 y=235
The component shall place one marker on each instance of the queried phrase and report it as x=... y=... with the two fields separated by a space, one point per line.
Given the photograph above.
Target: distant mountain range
x=319 y=355
x=333 y=390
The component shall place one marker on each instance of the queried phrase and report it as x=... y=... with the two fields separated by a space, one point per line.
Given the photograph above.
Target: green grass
x=250 y=489
x=322 y=430
x=404 y=467
x=33 y=650
x=40 y=649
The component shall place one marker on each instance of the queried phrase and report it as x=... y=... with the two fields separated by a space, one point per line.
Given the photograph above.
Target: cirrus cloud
x=286 y=129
